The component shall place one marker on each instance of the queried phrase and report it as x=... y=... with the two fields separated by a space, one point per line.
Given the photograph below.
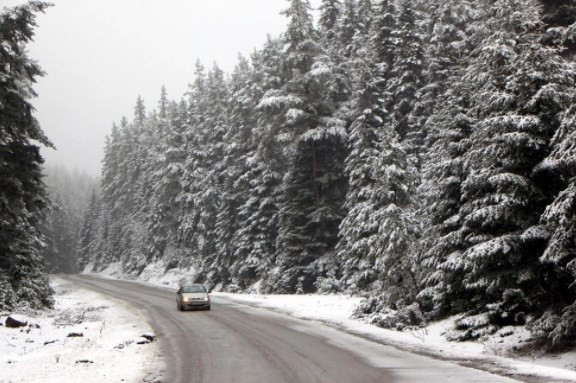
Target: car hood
x=194 y=295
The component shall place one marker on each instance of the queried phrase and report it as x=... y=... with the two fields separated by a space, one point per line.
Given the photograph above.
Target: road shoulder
x=87 y=337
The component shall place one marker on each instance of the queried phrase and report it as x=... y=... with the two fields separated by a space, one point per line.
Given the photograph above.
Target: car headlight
x=206 y=299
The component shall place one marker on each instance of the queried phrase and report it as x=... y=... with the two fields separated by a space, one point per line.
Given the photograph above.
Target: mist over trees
x=420 y=153
x=23 y=198
x=70 y=194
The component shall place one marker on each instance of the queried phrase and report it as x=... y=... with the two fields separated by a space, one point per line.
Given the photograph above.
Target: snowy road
x=239 y=343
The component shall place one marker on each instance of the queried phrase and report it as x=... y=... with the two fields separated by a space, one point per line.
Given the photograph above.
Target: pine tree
x=204 y=175
x=87 y=234
x=189 y=231
x=347 y=28
x=382 y=44
x=353 y=38
x=314 y=185
x=22 y=195
x=158 y=208
x=405 y=79
x=236 y=187
x=330 y=11
x=378 y=228
x=442 y=110
x=265 y=164
x=445 y=49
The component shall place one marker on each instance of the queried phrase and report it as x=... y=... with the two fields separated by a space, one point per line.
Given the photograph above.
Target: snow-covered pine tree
x=383 y=25
x=113 y=177
x=204 y=171
x=377 y=229
x=441 y=109
x=213 y=131
x=265 y=165
x=441 y=193
x=87 y=233
x=357 y=231
x=166 y=189
x=189 y=232
x=365 y=14
x=120 y=192
x=347 y=28
x=446 y=45
x=406 y=79
x=375 y=233
x=314 y=185
x=22 y=195
x=330 y=13
x=136 y=148
x=241 y=108
x=351 y=45
x=108 y=241
x=158 y=207
x=353 y=27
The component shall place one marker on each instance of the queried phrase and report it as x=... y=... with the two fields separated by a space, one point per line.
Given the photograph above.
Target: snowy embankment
x=498 y=353
x=86 y=338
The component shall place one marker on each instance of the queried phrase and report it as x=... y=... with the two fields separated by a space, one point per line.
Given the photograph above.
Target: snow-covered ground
x=154 y=274
x=106 y=351
x=496 y=353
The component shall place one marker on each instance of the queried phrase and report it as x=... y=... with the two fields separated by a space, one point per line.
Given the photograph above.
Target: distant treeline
x=69 y=193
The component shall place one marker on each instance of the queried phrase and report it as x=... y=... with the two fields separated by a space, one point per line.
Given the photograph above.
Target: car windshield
x=194 y=289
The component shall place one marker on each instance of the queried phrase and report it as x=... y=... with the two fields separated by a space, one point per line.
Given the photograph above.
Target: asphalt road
x=241 y=344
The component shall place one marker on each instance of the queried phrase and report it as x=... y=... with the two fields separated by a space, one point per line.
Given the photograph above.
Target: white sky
x=99 y=55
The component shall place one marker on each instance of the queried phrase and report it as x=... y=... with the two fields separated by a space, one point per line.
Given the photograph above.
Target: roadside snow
x=494 y=355
x=154 y=273
x=107 y=351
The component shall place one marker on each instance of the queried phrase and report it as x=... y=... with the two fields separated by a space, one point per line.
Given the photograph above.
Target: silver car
x=192 y=297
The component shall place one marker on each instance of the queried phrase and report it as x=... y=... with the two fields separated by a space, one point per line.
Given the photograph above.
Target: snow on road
x=107 y=351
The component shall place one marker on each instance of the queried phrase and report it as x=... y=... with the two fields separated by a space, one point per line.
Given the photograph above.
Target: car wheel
x=179 y=306
x=208 y=308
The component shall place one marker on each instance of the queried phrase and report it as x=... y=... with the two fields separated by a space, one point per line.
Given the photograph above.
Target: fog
x=100 y=55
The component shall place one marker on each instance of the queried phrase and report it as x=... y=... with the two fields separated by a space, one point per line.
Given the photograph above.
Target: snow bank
x=154 y=273
x=105 y=349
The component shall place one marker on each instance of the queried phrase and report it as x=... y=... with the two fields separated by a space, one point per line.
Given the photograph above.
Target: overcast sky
x=99 y=55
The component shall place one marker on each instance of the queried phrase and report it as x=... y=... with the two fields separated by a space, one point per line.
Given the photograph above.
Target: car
x=195 y=296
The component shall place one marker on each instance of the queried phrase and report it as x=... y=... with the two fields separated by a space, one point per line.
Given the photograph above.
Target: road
x=242 y=344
